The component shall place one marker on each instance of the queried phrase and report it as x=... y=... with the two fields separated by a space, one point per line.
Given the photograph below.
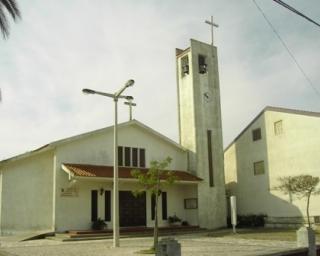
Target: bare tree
x=11 y=7
x=303 y=186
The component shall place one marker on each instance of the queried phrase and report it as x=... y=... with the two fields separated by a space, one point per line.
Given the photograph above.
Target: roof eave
x=37 y=151
x=133 y=180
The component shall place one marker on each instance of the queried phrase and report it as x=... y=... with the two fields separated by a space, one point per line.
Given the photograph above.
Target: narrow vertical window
x=94 y=205
x=127 y=157
x=107 y=205
x=120 y=156
x=210 y=163
x=142 y=157
x=153 y=204
x=134 y=157
x=164 y=205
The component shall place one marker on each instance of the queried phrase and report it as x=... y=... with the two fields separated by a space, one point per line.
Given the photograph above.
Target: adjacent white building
x=278 y=142
x=67 y=184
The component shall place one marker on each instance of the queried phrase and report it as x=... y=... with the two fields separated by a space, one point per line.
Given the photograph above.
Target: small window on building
x=202 y=64
x=278 y=127
x=184 y=66
x=258 y=168
x=127 y=156
x=256 y=134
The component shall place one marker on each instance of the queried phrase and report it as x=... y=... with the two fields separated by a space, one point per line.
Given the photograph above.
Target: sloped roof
x=274 y=109
x=102 y=171
x=54 y=144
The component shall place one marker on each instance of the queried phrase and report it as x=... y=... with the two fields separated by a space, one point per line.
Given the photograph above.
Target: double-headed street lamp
x=115 y=98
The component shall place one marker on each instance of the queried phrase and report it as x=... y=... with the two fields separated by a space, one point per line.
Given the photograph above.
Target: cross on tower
x=212 y=24
x=130 y=104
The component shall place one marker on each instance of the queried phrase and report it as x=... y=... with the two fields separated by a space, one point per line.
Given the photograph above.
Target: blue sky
x=60 y=47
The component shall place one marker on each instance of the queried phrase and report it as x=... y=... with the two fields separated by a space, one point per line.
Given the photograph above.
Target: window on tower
x=202 y=64
x=210 y=160
x=184 y=66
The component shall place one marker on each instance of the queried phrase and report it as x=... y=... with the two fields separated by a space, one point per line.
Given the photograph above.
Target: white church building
x=67 y=184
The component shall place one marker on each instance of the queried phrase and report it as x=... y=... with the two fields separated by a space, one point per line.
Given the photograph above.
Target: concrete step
x=90 y=235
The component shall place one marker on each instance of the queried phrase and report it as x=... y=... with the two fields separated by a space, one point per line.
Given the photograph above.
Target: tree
x=301 y=185
x=12 y=8
x=150 y=181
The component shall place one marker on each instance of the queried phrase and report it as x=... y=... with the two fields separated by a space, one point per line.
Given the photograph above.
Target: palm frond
x=4 y=25
x=12 y=8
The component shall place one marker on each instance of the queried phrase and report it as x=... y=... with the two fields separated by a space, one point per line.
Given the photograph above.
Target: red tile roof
x=102 y=171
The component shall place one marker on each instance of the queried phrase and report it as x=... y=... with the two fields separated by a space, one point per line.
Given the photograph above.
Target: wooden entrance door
x=132 y=209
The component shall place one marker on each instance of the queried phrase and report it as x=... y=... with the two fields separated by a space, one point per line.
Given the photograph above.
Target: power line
x=285 y=5
x=288 y=50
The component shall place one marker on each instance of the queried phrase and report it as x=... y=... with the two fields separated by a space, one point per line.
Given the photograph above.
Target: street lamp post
x=115 y=97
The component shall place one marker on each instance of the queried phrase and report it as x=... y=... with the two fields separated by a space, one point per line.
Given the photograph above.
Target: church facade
x=67 y=184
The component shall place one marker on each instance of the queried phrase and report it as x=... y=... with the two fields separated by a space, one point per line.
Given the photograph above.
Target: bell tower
x=200 y=128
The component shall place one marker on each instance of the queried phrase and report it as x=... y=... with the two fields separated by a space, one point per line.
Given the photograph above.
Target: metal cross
x=212 y=24
x=130 y=104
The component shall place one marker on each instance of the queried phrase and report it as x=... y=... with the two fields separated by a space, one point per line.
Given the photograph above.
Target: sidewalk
x=196 y=244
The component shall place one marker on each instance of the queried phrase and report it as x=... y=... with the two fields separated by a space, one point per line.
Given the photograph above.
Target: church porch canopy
x=103 y=172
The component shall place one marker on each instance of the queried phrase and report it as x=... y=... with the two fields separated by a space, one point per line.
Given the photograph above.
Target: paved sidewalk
x=196 y=244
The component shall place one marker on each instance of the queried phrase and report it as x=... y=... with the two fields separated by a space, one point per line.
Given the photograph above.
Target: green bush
x=248 y=221
x=99 y=224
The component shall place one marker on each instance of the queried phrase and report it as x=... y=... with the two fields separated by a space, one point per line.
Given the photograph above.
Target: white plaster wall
x=75 y=211
x=98 y=149
x=230 y=166
x=251 y=190
x=26 y=196
x=294 y=152
x=187 y=126
x=175 y=204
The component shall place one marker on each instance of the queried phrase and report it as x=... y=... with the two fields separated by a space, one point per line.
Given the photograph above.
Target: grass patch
x=261 y=234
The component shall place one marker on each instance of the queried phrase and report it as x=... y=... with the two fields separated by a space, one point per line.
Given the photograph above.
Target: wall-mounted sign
x=70 y=192
x=191 y=203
